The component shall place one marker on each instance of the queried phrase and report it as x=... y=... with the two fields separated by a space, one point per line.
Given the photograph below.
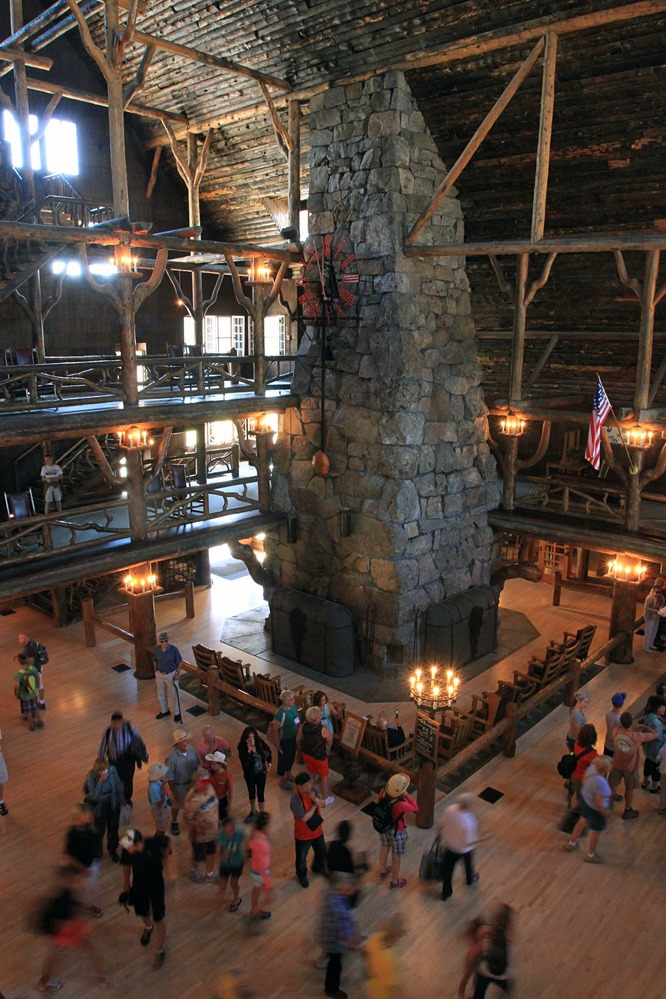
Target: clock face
x=330 y=279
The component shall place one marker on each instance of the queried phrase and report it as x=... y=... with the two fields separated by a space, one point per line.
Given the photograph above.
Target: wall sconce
x=624 y=572
x=125 y=261
x=260 y=272
x=134 y=439
x=638 y=437
x=135 y=585
x=345 y=522
x=512 y=426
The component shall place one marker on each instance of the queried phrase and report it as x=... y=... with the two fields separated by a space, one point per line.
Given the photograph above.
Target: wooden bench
x=375 y=749
x=456 y=730
x=268 y=688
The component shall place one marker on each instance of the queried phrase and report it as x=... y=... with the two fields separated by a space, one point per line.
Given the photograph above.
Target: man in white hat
x=393 y=839
x=181 y=764
x=221 y=780
x=167 y=661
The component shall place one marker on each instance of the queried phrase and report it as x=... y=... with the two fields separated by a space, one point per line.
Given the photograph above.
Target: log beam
x=545 y=135
x=565 y=244
x=218 y=62
x=86 y=97
x=25 y=58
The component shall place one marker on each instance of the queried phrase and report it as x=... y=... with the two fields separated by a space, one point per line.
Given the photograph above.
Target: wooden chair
x=456 y=730
x=21 y=506
x=375 y=740
x=235 y=673
x=540 y=674
x=488 y=708
x=303 y=699
x=185 y=506
x=267 y=687
x=23 y=357
x=204 y=658
x=524 y=689
x=175 y=350
x=582 y=640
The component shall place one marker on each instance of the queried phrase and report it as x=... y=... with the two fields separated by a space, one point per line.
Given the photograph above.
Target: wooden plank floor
x=572 y=917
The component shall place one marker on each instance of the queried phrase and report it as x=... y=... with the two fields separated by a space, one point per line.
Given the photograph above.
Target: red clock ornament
x=329 y=277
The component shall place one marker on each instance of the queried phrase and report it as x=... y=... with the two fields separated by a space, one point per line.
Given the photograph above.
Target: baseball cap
x=617 y=700
x=164 y=637
x=128 y=839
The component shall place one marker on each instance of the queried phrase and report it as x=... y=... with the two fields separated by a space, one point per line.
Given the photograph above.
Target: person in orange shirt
x=260 y=867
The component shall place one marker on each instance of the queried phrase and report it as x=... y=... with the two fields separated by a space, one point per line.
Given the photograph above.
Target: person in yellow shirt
x=384 y=976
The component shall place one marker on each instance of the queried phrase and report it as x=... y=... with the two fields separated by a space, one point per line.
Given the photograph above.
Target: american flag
x=601 y=407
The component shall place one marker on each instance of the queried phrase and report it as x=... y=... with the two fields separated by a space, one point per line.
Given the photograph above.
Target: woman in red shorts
x=67 y=929
x=315 y=742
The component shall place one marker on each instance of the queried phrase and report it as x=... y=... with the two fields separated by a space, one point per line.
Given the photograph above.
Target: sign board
x=353 y=728
x=426 y=736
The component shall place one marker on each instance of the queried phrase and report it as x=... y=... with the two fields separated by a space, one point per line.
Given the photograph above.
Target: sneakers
x=303 y=882
x=175 y=829
x=249 y=819
x=178 y=719
x=571 y=846
x=41 y=705
x=329 y=800
x=146 y=935
x=593 y=858
x=212 y=877
x=618 y=797
x=49 y=985
x=3 y=809
x=163 y=714
x=159 y=960
x=630 y=813
x=398 y=884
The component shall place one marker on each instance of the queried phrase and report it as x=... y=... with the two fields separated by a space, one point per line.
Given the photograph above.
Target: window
x=56 y=151
x=251 y=338
x=238 y=334
x=275 y=335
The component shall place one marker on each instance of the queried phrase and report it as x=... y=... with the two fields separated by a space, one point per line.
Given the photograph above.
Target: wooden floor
x=582 y=931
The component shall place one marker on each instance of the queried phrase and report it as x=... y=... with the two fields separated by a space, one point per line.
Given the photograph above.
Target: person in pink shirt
x=260 y=866
x=395 y=838
x=211 y=743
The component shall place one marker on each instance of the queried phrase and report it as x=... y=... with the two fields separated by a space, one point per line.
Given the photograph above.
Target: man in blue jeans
x=167 y=661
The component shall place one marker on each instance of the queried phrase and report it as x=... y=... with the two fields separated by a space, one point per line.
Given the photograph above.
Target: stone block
x=399 y=502
x=395 y=151
x=393 y=461
x=412 y=529
x=394 y=576
x=453 y=505
x=433 y=507
x=382 y=123
x=320 y=137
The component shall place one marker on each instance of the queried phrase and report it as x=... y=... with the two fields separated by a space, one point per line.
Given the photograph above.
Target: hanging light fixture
x=432 y=690
x=639 y=437
x=134 y=439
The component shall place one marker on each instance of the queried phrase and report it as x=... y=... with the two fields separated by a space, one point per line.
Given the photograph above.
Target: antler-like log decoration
x=103 y=289
x=103 y=463
x=146 y=288
x=162 y=451
x=632 y=283
x=542 y=447
x=504 y=286
x=139 y=81
x=654 y=473
x=248 y=453
x=91 y=48
x=282 y=136
x=539 y=282
x=247 y=554
x=178 y=288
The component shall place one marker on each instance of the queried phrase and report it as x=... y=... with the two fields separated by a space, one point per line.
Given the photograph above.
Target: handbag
x=430 y=868
x=314 y=821
x=273 y=734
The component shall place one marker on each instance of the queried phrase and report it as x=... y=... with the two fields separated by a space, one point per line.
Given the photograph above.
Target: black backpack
x=567 y=764
x=41 y=656
x=382 y=817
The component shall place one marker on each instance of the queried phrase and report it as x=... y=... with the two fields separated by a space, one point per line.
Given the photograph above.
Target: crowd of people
x=194 y=787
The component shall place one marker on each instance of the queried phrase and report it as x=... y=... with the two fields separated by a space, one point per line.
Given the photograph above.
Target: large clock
x=329 y=277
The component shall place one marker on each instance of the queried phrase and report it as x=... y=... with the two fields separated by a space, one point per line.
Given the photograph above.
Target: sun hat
x=156 y=770
x=180 y=735
x=397 y=785
x=617 y=700
x=216 y=757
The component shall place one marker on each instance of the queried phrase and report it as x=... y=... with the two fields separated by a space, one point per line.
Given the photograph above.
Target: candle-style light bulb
x=418 y=674
x=435 y=692
x=433 y=672
x=412 y=681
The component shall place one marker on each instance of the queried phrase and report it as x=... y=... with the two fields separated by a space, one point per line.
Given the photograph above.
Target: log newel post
x=509 y=478
x=189 y=599
x=136 y=503
x=425 y=795
x=509 y=740
x=622 y=618
x=88 y=609
x=212 y=691
x=573 y=683
x=143 y=627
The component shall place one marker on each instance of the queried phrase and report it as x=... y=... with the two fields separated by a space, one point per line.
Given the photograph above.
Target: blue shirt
x=167 y=660
x=338 y=923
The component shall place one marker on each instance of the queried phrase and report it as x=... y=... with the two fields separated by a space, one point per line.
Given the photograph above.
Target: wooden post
x=646 y=331
x=143 y=626
x=545 y=133
x=294 y=188
x=189 y=599
x=622 y=617
x=557 y=587
x=572 y=684
x=114 y=82
x=212 y=691
x=425 y=795
x=509 y=741
x=88 y=609
x=136 y=501
x=509 y=479
x=264 y=444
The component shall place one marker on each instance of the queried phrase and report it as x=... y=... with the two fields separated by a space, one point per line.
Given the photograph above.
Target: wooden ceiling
x=608 y=147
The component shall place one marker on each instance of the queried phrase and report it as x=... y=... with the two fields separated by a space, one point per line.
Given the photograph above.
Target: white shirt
x=51 y=472
x=458 y=829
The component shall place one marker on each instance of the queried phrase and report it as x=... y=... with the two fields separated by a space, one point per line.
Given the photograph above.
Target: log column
x=143 y=626
x=622 y=618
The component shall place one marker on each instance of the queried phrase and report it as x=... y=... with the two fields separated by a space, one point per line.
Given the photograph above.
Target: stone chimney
x=405 y=420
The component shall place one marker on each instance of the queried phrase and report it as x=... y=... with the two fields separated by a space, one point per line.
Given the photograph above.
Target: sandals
x=398 y=884
x=234 y=905
x=384 y=874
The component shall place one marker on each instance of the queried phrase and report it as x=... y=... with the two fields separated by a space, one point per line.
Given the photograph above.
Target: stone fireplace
x=404 y=415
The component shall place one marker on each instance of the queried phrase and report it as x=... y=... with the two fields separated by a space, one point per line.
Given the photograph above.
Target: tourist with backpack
x=38 y=657
x=26 y=689
x=595 y=806
x=123 y=747
x=627 y=744
x=393 y=804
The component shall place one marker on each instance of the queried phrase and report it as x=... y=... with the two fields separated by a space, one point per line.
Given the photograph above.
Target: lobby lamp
x=512 y=426
x=639 y=437
x=134 y=439
x=432 y=690
x=625 y=572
